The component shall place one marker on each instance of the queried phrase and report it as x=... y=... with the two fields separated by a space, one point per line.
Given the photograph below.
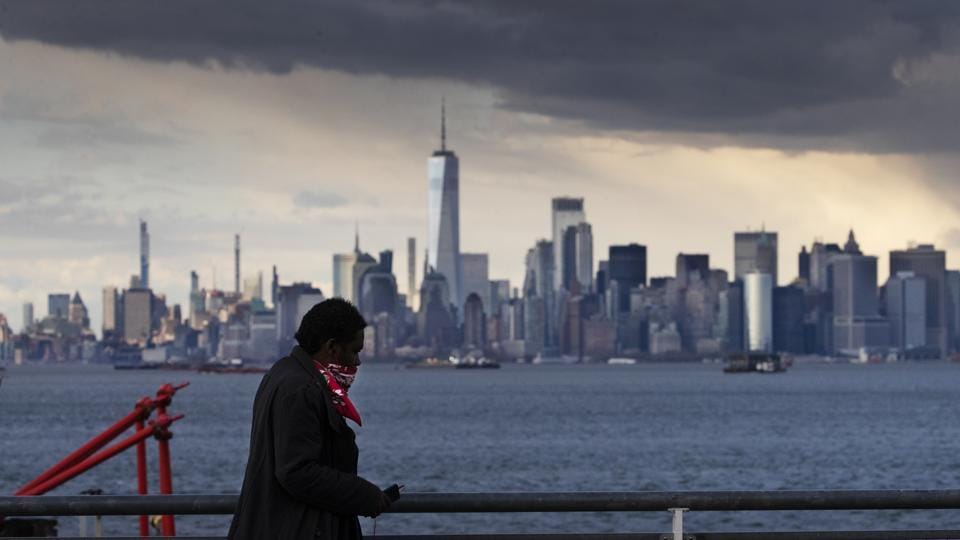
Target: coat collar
x=304 y=360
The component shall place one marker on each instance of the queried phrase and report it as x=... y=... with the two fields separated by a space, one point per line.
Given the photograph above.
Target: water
x=540 y=428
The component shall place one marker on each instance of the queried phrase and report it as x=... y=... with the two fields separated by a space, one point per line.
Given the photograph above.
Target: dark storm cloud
x=800 y=74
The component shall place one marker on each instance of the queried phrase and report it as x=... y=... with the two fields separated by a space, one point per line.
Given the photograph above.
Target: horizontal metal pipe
x=794 y=535
x=641 y=501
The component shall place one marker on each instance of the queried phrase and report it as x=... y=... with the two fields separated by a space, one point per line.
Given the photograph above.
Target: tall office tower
x=443 y=215
x=803 y=264
x=343 y=275
x=856 y=313
x=564 y=212
x=292 y=303
x=253 y=288
x=58 y=305
x=539 y=295
x=758 y=310
x=412 y=273
x=144 y=255
x=929 y=263
x=953 y=308
x=28 y=316
x=577 y=258
x=111 y=310
x=137 y=316
x=475 y=268
x=627 y=266
x=906 y=307
x=755 y=251
x=236 y=263
x=77 y=312
x=274 y=287
x=788 y=309
x=692 y=267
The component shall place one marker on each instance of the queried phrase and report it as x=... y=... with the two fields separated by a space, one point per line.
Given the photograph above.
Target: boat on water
x=621 y=361
x=755 y=363
x=552 y=359
x=470 y=361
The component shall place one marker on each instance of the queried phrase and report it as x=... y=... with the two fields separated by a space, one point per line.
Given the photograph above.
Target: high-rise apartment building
x=443 y=215
x=28 y=316
x=755 y=252
x=564 y=212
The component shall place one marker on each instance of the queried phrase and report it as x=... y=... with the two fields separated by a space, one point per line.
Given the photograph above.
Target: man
x=301 y=480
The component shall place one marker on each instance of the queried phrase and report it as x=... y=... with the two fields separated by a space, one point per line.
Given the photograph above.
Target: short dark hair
x=334 y=318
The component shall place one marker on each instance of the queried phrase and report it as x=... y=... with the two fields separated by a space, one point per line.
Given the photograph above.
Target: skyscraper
x=692 y=266
x=144 y=255
x=137 y=316
x=758 y=310
x=577 y=258
x=627 y=267
x=856 y=315
x=111 y=310
x=906 y=298
x=564 y=212
x=929 y=263
x=236 y=263
x=58 y=305
x=412 y=273
x=443 y=215
x=28 y=316
x=755 y=251
x=475 y=268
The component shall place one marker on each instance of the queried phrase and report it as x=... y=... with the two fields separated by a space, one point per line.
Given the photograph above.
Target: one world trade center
x=443 y=209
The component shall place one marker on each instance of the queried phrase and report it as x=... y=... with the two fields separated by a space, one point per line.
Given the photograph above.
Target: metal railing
x=678 y=503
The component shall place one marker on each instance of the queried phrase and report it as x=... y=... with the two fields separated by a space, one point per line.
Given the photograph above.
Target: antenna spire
x=443 y=124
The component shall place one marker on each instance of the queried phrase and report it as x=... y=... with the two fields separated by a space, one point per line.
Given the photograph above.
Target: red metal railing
x=92 y=453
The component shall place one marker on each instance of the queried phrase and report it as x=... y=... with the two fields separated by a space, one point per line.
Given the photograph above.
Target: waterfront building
x=627 y=266
x=755 y=252
x=856 y=315
x=758 y=311
x=564 y=212
x=929 y=263
x=789 y=306
x=58 y=305
x=443 y=215
x=144 y=257
x=138 y=316
x=906 y=309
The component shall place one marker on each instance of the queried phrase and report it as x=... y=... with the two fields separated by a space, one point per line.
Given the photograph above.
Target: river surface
x=539 y=428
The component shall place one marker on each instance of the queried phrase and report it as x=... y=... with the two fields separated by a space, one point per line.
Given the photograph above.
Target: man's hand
x=381 y=504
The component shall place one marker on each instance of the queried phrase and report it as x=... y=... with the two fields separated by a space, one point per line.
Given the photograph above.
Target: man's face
x=348 y=354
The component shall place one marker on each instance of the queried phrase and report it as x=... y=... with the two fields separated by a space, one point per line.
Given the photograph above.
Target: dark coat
x=301 y=480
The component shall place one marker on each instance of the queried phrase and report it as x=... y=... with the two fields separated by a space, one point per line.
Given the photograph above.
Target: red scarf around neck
x=339 y=391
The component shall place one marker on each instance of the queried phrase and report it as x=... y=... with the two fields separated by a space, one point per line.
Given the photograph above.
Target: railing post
x=678 y=522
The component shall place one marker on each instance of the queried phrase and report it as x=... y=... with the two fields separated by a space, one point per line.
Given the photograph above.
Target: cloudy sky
x=679 y=122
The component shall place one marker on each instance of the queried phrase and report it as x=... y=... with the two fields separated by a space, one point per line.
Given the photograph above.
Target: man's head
x=332 y=332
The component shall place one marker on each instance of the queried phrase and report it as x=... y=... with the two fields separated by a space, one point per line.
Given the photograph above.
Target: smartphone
x=393 y=491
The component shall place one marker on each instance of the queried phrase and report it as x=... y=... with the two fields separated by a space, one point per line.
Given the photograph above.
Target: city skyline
x=289 y=151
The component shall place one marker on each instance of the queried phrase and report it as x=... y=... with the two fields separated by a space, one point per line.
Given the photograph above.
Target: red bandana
x=340 y=400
